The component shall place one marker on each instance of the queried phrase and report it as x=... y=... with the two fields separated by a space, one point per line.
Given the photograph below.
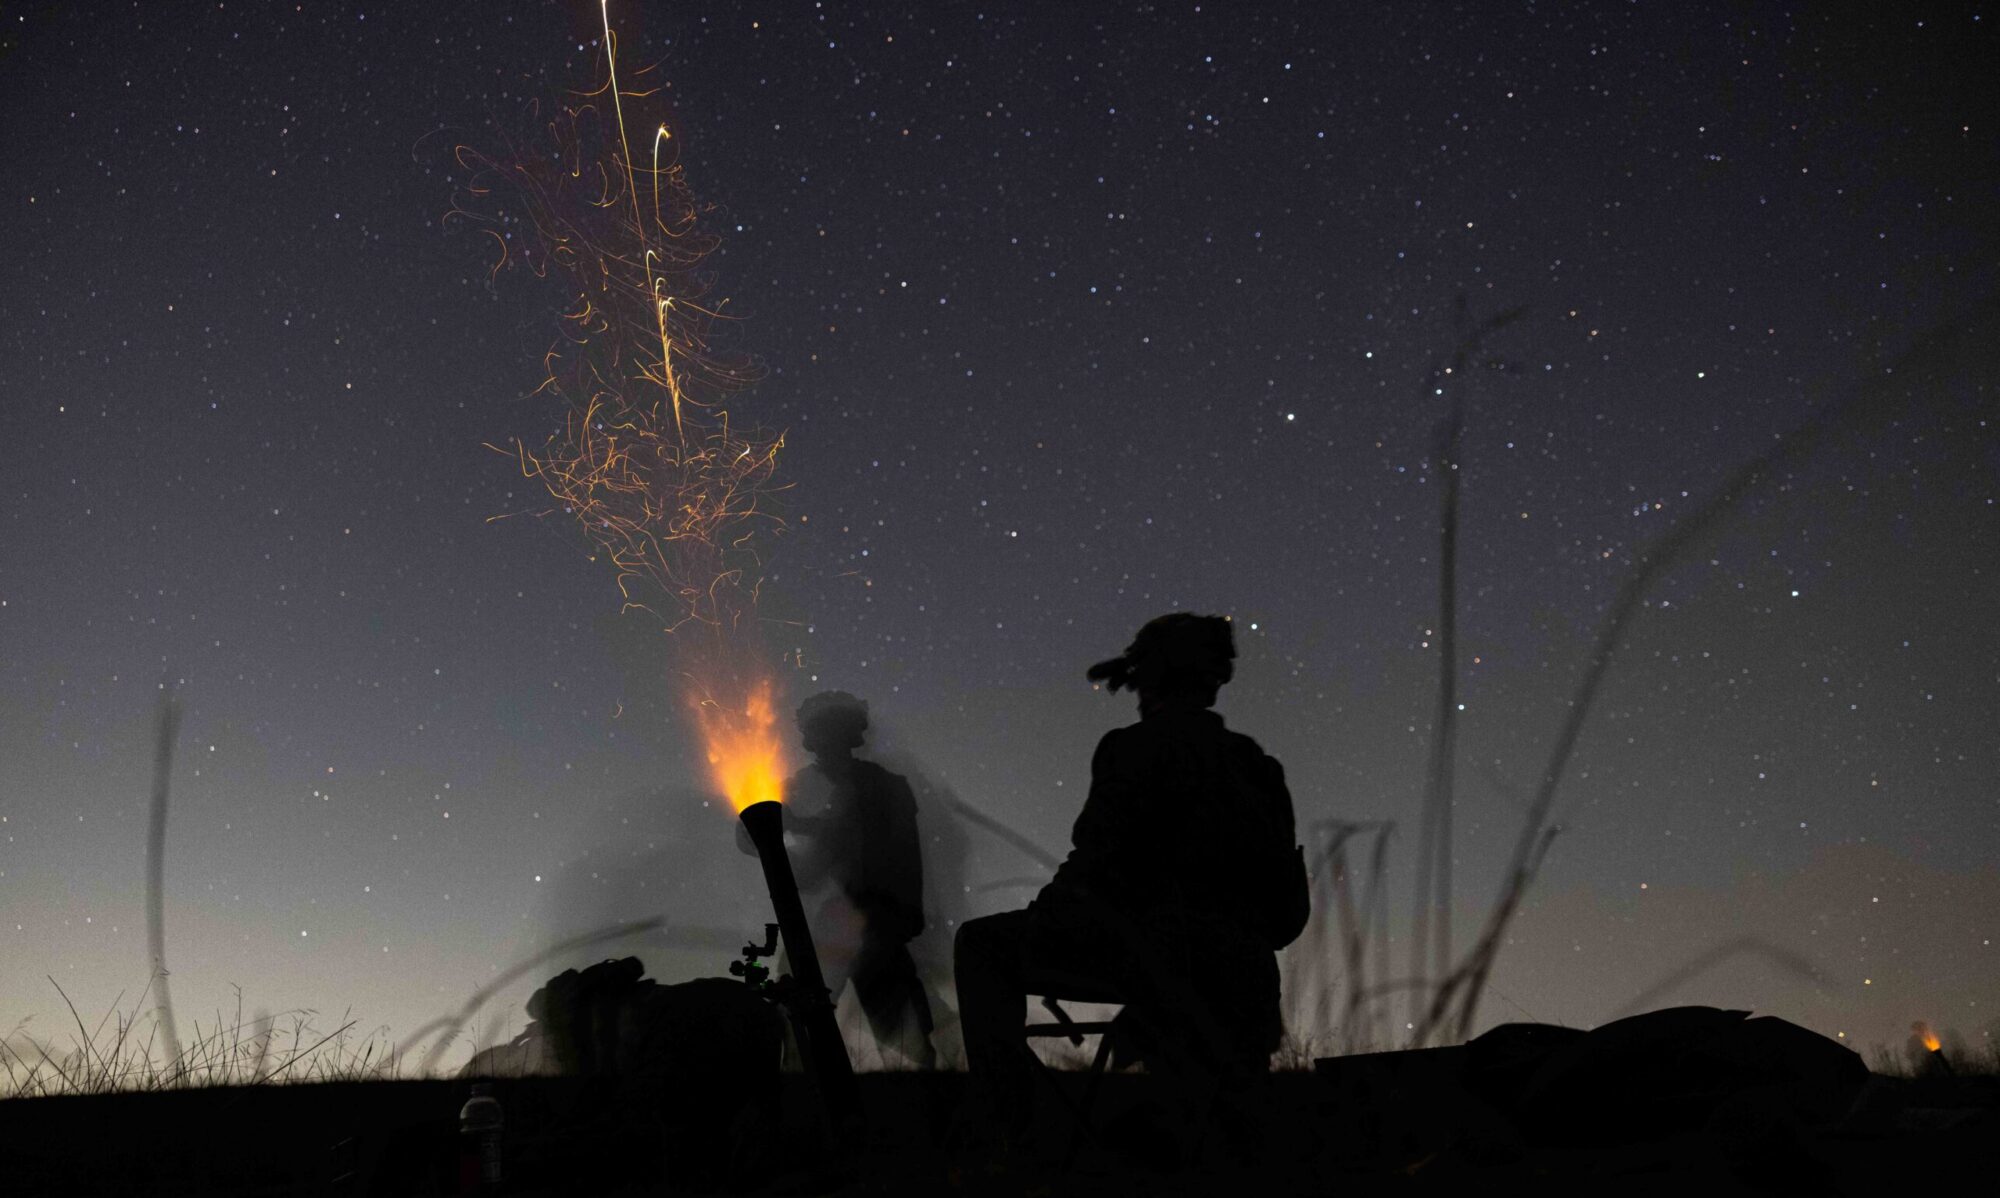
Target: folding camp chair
x=1054 y=990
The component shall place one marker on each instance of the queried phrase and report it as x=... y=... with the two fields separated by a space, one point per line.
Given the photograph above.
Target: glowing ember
x=1924 y=1033
x=669 y=488
x=665 y=484
x=744 y=753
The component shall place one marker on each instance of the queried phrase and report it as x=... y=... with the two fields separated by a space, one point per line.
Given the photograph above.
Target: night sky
x=1071 y=315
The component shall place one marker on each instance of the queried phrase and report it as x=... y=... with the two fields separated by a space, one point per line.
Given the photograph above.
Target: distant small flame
x=1924 y=1033
x=744 y=754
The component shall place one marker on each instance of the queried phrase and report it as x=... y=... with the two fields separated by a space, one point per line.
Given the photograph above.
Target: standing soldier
x=853 y=828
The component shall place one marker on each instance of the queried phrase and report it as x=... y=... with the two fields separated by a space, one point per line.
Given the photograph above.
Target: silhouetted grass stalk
x=168 y=729
x=1796 y=964
x=1430 y=946
x=1341 y=929
x=1467 y=983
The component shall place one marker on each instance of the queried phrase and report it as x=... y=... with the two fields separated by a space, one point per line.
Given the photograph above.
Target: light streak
x=675 y=494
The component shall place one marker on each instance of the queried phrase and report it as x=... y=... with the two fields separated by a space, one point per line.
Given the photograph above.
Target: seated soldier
x=1182 y=881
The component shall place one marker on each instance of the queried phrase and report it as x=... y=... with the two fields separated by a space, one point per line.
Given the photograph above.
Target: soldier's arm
x=909 y=850
x=1284 y=819
x=1111 y=822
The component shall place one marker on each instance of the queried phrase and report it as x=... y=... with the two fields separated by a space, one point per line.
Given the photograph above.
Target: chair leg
x=1062 y=1017
x=1083 y=1127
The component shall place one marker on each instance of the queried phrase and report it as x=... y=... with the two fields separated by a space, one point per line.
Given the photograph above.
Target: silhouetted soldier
x=853 y=824
x=1182 y=881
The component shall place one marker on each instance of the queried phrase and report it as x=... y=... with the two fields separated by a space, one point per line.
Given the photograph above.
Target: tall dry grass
x=121 y=1053
x=1447 y=1008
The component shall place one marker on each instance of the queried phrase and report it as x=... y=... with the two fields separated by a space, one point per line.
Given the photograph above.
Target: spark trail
x=670 y=490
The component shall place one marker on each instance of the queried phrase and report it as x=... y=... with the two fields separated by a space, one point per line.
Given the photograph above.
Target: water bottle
x=479 y=1124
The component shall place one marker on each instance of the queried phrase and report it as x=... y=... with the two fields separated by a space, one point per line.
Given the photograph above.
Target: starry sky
x=1071 y=315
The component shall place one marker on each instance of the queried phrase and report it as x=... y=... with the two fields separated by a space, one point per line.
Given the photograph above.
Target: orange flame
x=744 y=754
x=1930 y=1038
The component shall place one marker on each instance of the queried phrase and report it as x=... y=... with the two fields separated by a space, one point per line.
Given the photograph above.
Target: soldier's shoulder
x=876 y=778
x=1124 y=739
x=1246 y=747
x=1243 y=741
x=1116 y=748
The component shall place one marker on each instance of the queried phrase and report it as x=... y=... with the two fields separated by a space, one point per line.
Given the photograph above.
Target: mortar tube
x=824 y=1051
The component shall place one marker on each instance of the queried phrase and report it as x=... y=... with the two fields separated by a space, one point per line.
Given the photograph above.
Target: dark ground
x=400 y=1138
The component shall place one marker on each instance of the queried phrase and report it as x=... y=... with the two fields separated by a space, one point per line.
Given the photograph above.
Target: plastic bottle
x=479 y=1123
